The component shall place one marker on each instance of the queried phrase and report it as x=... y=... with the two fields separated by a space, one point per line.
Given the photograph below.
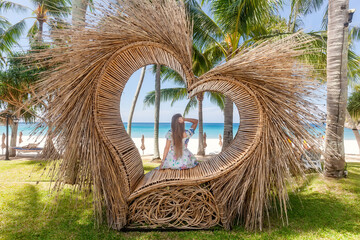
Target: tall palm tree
x=44 y=12
x=79 y=8
x=337 y=49
x=133 y=104
x=78 y=11
x=156 y=155
x=233 y=23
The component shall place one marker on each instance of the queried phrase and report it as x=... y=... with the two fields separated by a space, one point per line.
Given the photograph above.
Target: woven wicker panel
x=245 y=141
x=107 y=102
x=115 y=75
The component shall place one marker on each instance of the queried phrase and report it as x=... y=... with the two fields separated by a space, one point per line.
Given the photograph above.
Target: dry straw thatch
x=90 y=67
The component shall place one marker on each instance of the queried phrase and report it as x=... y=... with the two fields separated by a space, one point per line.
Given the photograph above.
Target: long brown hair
x=177 y=130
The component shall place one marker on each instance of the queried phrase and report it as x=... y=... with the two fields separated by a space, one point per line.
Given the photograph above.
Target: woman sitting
x=176 y=154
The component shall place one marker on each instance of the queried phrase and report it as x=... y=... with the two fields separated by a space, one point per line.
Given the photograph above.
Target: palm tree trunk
x=14 y=129
x=78 y=20
x=41 y=30
x=337 y=48
x=157 y=114
x=79 y=12
x=354 y=128
x=135 y=100
x=201 y=150
x=228 y=123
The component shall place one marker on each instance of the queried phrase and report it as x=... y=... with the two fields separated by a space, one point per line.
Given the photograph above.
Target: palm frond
x=353 y=68
x=166 y=94
x=354 y=34
x=309 y=6
x=33 y=31
x=217 y=98
x=190 y=105
x=8 y=5
x=354 y=106
x=169 y=74
x=9 y=38
x=206 y=30
x=324 y=21
x=238 y=15
x=55 y=8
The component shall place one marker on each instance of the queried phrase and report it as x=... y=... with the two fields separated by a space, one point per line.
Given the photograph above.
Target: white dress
x=187 y=160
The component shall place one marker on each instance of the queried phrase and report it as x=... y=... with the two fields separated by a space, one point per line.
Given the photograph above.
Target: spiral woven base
x=182 y=207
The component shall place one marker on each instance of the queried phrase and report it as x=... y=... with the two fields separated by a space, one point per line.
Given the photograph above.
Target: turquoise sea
x=212 y=129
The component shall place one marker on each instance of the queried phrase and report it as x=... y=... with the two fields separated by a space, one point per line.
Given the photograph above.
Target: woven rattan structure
x=270 y=87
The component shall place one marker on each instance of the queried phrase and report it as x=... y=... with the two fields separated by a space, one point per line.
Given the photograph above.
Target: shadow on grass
x=332 y=213
x=32 y=215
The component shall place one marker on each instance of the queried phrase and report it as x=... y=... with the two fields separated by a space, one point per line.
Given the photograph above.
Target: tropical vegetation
x=15 y=90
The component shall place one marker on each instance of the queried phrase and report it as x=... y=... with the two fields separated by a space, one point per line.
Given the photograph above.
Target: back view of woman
x=176 y=154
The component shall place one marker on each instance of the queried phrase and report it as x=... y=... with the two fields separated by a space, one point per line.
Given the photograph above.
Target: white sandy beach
x=212 y=145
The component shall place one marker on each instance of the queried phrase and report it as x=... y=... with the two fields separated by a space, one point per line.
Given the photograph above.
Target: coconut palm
x=44 y=12
x=78 y=17
x=156 y=155
x=337 y=44
x=234 y=22
x=133 y=104
x=78 y=11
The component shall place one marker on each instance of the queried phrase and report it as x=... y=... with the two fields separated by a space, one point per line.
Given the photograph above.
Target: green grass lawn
x=320 y=209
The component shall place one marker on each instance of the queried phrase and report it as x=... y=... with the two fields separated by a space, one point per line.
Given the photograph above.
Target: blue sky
x=212 y=113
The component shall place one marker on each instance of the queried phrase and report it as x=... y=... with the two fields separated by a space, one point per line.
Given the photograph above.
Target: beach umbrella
x=142 y=147
x=20 y=137
x=220 y=140
x=204 y=141
x=3 y=145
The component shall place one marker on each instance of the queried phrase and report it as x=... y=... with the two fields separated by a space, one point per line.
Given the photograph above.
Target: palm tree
x=156 y=155
x=234 y=23
x=337 y=49
x=79 y=8
x=133 y=105
x=45 y=12
x=78 y=13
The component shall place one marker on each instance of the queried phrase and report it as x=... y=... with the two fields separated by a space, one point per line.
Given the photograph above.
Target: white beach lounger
x=31 y=147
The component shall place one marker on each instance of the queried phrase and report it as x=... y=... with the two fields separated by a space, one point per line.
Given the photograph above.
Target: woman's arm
x=166 y=151
x=193 y=121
